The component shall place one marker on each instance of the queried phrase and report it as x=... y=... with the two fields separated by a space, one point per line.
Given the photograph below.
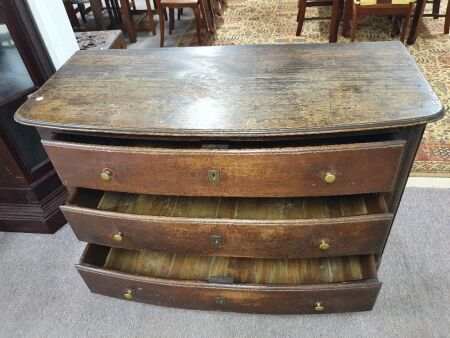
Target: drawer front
x=307 y=171
x=338 y=297
x=239 y=238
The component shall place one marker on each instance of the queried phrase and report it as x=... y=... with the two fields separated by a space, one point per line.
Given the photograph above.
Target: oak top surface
x=226 y=91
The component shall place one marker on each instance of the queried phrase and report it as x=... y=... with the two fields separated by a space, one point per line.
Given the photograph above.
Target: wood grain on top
x=248 y=91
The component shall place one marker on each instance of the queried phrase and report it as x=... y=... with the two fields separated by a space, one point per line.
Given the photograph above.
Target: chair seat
x=178 y=2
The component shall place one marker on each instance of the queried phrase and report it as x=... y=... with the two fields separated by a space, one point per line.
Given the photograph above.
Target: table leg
x=127 y=20
x=96 y=6
x=334 y=24
x=420 y=7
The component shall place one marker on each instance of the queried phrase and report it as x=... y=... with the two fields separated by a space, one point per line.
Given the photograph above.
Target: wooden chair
x=357 y=9
x=336 y=14
x=436 y=13
x=447 y=19
x=195 y=5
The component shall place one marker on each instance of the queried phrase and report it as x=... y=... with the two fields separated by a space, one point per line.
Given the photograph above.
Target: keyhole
x=213 y=176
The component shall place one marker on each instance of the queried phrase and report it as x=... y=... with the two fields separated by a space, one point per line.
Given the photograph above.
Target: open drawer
x=308 y=285
x=326 y=170
x=241 y=227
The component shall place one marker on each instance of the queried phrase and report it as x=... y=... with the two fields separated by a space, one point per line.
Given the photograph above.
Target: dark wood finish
x=296 y=171
x=247 y=227
x=355 y=12
x=26 y=38
x=30 y=190
x=447 y=19
x=196 y=7
x=254 y=298
x=130 y=26
x=96 y=7
x=382 y=88
x=418 y=13
x=336 y=12
x=356 y=111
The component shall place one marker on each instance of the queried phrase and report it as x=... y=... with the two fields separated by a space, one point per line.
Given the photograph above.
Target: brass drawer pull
x=106 y=174
x=214 y=176
x=118 y=237
x=128 y=294
x=330 y=177
x=215 y=240
x=324 y=245
x=220 y=300
x=319 y=307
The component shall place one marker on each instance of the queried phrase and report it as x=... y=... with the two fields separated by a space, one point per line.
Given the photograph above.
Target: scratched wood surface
x=242 y=270
x=227 y=91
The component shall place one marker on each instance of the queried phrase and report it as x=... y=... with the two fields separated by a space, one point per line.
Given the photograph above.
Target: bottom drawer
x=276 y=286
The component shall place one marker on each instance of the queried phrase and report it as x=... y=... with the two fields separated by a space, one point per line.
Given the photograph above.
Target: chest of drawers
x=257 y=179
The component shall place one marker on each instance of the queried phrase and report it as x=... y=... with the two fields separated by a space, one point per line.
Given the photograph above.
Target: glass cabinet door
x=15 y=84
x=14 y=77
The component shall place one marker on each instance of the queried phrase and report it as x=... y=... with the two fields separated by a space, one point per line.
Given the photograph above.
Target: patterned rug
x=268 y=22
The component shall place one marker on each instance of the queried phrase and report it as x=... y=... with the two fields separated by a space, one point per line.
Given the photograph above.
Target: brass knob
x=106 y=174
x=128 y=294
x=330 y=177
x=319 y=307
x=118 y=237
x=324 y=245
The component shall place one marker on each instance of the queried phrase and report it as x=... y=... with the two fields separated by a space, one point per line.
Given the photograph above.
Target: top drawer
x=266 y=172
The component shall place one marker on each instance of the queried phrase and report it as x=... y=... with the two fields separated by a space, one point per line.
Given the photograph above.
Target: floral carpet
x=272 y=22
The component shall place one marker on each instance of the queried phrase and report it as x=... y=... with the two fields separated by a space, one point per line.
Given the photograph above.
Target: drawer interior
x=231 y=208
x=231 y=270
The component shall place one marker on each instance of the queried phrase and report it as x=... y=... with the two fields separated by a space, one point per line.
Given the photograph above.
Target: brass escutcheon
x=215 y=240
x=213 y=176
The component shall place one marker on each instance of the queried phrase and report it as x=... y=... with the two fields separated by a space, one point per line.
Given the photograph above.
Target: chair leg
x=347 y=17
x=395 y=24
x=447 y=20
x=161 y=11
x=109 y=10
x=355 y=14
x=300 y=16
x=406 y=22
x=150 y=16
x=171 y=20
x=197 y=23
x=82 y=9
x=436 y=8
x=179 y=13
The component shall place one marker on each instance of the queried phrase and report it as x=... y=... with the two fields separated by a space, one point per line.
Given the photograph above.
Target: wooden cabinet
x=30 y=190
x=258 y=200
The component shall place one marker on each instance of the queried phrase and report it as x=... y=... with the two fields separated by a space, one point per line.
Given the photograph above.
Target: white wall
x=54 y=26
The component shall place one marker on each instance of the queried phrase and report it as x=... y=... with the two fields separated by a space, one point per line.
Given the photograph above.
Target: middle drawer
x=239 y=227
